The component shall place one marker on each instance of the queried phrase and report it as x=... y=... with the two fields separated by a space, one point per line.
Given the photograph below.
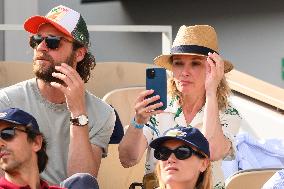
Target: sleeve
x=230 y=120
x=118 y=132
x=4 y=100
x=102 y=137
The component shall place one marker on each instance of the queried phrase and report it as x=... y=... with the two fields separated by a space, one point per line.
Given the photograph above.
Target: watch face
x=83 y=120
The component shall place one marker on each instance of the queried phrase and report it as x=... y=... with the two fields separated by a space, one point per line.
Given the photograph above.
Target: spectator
x=183 y=159
x=77 y=124
x=198 y=96
x=23 y=154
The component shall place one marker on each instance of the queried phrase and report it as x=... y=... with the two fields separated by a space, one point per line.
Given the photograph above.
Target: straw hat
x=193 y=40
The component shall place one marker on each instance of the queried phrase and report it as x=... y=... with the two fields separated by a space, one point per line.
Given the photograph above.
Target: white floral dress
x=173 y=116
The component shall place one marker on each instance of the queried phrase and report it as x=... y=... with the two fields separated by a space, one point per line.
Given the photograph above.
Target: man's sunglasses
x=182 y=152
x=52 y=42
x=9 y=133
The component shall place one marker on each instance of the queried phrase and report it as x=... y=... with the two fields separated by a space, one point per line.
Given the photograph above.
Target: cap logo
x=81 y=37
x=57 y=13
x=175 y=133
x=3 y=114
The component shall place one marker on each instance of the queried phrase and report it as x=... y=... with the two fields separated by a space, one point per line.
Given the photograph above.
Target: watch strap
x=75 y=121
x=136 y=125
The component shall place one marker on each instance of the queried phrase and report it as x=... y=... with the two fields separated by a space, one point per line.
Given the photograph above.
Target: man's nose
x=2 y=142
x=42 y=46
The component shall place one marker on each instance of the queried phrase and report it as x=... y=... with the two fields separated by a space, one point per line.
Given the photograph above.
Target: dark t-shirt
x=118 y=132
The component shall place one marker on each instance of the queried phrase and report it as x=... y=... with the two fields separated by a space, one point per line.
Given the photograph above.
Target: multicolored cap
x=19 y=117
x=63 y=18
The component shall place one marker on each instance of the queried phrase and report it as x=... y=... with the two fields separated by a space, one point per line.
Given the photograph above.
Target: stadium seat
x=112 y=174
x=251 y=179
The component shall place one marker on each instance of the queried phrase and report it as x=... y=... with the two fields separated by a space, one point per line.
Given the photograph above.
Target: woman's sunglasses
x=181 y=153
x=52 y=42
x=9 y=133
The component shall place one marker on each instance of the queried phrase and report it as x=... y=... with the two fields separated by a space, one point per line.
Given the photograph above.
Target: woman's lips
x=185 y=82
x=171 y=169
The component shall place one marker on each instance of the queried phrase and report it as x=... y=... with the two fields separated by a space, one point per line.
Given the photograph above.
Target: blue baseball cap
x=80 y=180
x=19 y=117
x=189 y=135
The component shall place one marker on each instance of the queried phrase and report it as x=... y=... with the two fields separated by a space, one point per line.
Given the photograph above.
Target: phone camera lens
x=151 y=73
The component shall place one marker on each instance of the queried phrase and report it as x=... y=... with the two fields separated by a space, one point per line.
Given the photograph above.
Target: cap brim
x=165 y=61
x=33 y=23
x=10 y=121
x=156 y=143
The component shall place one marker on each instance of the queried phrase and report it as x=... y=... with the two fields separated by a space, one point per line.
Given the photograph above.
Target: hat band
x=192 y=49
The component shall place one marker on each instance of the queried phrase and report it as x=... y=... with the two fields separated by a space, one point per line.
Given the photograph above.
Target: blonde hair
x=204 y=180
x=223 y=92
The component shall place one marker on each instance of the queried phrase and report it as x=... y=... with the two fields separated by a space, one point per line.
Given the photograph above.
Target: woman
x=198 y=97
x=183 y=159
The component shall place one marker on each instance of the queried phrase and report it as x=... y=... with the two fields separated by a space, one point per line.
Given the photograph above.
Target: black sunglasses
x=9 y=133
x=182 y=152
x=52 y=42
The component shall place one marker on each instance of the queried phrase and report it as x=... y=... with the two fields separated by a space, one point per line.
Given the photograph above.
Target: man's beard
x=9 y=165
x=45 y=74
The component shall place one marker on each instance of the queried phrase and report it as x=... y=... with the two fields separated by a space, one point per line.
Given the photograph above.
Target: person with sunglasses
x=198 y=96
x=183 y=159
x=22 y=150
x=77 y=124
x=23 y=154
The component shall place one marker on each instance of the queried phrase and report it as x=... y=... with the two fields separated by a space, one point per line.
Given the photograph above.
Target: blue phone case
x=156 y=79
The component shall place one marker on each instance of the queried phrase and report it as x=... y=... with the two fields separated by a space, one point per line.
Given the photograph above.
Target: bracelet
x=136 y=125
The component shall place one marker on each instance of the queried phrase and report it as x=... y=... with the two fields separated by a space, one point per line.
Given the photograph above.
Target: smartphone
x=156 y=79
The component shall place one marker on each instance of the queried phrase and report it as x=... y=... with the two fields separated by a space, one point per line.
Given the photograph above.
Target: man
x=77 y=124
x=22 y=151
x=23 y=154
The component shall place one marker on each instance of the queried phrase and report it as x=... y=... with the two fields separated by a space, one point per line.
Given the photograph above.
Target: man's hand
x=83 y=156
x=74 y=89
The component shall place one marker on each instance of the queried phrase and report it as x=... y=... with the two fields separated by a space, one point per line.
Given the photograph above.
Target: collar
x=175 y=108
x=4 y=183
x=173 y=104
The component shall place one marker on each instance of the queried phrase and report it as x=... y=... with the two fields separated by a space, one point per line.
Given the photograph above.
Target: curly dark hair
x=42 y=157
x=85 y=66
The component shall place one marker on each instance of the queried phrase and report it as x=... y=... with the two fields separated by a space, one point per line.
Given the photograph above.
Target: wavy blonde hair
x=204 y=180
x=223 y=92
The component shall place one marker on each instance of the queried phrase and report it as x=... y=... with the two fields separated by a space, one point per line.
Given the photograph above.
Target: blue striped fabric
x=276 y=181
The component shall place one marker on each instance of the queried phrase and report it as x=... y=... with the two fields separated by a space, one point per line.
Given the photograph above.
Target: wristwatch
x=81 y=120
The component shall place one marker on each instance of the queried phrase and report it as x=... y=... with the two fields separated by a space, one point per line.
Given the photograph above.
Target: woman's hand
x=214 y=72
x=143 y=112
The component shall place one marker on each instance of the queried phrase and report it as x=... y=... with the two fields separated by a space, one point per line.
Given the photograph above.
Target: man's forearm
x=82 y=156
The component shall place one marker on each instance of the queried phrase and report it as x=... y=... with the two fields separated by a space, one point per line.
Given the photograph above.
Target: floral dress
x=173 y=116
